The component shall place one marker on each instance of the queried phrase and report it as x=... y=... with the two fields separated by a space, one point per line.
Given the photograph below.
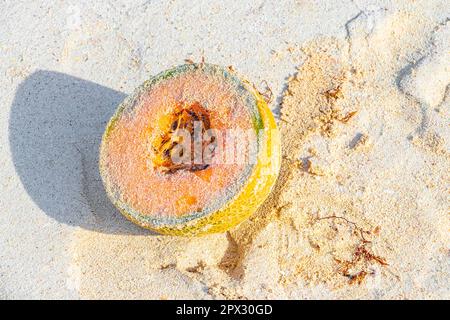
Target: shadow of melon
x=55 y=129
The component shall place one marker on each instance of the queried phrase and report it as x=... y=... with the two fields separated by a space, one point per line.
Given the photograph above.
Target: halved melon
x=207 y=180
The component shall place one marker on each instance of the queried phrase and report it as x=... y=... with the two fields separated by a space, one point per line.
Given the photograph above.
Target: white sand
x=380 y=174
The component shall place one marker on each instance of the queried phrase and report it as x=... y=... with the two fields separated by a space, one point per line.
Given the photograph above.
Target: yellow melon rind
x=256 y=189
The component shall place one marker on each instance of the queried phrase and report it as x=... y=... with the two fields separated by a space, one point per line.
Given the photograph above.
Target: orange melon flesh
x=188 y=200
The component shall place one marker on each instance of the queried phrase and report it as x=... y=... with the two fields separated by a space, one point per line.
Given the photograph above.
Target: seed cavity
x=167 y=141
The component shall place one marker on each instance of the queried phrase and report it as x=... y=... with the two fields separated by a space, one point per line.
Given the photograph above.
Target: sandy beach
x=361 y=97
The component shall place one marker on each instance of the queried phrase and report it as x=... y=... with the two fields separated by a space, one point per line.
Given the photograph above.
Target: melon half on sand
x=206 y=180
